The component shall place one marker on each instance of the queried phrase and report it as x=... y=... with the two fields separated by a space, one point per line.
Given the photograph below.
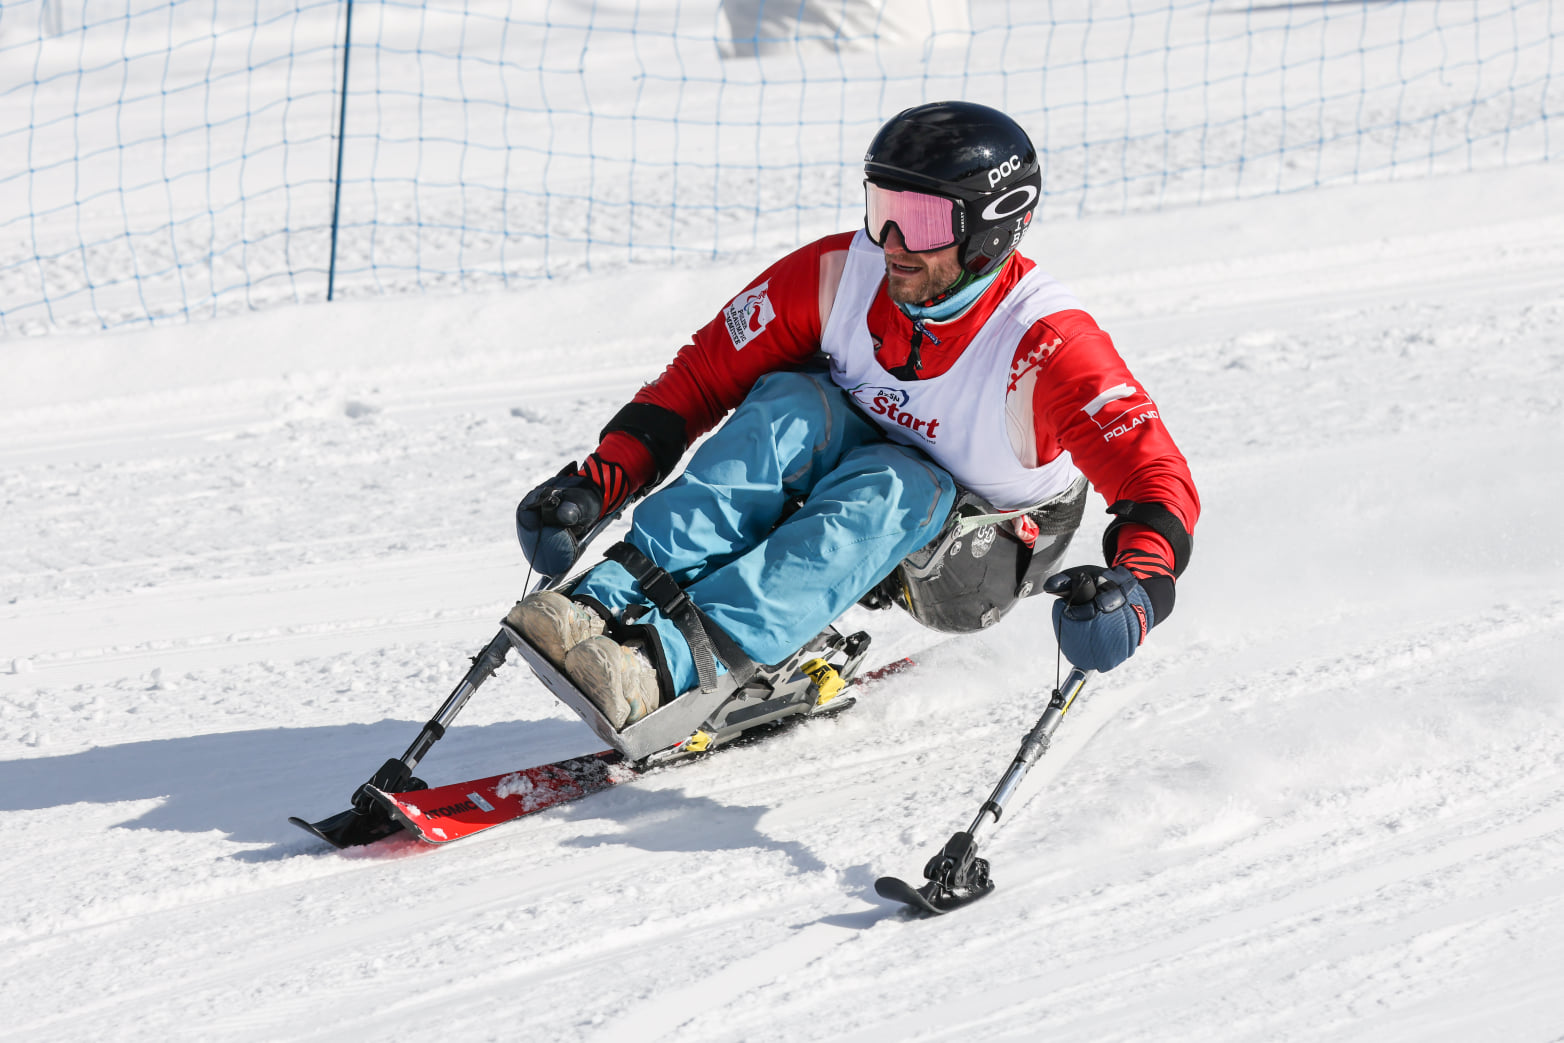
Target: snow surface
x=242 y=560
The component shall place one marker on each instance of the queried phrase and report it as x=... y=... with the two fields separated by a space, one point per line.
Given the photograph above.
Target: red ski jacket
x=1062 y=364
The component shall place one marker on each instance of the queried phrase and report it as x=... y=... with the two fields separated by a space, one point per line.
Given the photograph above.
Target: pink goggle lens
x=924 y=221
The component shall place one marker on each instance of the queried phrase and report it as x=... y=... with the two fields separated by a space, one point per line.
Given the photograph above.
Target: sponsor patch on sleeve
x=747 y=315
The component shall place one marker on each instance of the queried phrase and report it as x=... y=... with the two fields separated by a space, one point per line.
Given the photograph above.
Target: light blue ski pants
x=867 y=503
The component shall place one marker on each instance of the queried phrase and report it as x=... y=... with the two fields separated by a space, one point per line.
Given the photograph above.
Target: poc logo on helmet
x=1004 y=170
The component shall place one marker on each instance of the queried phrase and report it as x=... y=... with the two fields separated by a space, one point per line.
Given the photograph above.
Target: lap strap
x=705 y=638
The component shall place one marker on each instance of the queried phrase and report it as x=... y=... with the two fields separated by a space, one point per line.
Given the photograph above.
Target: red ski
x=445 y=813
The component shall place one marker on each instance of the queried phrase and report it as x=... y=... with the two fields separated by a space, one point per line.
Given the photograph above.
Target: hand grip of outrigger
x=366 y=821
x=957 y=875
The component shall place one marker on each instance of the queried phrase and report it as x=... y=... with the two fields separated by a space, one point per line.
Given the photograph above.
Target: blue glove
x=553 y=519
x=1103 y=615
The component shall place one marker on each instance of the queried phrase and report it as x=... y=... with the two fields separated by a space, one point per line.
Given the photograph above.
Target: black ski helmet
x=969 y=153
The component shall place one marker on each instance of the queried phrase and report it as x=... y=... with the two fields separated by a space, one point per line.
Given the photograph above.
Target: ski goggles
x=926 y=222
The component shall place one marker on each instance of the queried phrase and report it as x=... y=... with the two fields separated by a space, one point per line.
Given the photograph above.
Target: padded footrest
x=668 y=724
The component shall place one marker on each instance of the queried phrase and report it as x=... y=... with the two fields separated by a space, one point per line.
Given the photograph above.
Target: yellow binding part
x=828 y=683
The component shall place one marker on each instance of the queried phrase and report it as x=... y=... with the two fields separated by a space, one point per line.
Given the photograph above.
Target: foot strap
x=709 y=643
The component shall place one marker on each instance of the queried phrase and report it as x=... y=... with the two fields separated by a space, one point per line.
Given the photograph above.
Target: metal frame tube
x=483 y=666
x=1032 y=747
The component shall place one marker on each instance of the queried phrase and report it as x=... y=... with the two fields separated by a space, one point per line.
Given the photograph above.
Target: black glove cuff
x=1160 y=590
x=660 y=430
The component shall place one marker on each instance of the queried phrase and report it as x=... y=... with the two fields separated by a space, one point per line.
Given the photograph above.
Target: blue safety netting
x=161 y=160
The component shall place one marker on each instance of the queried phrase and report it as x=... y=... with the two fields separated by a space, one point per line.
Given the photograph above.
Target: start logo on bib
x=888 y=402
x=747 y=314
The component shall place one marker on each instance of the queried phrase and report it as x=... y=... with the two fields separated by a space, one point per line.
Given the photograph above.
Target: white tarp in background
x=759 y=27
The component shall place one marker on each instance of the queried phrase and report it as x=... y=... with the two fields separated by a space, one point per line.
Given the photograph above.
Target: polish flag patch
x=1119 y=410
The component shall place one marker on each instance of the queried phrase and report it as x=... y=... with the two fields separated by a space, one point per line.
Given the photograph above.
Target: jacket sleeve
x=1087 y=402
x=773 y=323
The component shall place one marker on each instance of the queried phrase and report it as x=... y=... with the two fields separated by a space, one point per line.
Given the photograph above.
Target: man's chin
x=902 y=289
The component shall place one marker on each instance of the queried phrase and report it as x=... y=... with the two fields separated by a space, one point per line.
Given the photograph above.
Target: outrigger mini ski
x=366 y=821
x=957 y=876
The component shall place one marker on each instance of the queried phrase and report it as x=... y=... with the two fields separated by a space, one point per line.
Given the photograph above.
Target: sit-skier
x=879 y=380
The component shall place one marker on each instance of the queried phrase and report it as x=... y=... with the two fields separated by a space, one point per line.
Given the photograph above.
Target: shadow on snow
x=247 y=783
x=671 y=820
